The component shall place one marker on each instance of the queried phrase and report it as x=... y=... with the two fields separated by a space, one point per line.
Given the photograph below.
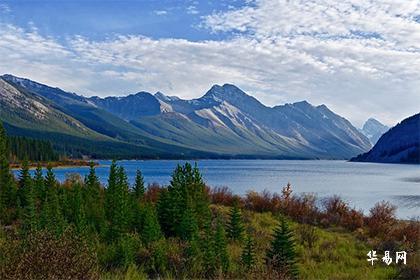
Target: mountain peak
x=374 y=129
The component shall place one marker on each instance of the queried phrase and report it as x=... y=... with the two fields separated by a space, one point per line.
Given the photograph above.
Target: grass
x=336 y=254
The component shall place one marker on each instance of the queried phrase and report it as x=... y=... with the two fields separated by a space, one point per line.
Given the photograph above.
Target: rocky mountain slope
x=373 y=129
x=224 y=122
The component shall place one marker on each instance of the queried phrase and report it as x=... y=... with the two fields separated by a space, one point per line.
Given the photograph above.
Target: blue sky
x=359 y=57
x=99 y=19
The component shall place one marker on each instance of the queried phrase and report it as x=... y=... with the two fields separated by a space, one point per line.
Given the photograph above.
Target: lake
x=360 y=184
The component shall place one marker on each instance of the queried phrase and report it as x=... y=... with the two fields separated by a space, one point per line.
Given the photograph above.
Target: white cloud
x=361 y=58
x=192 y=10
x=161 y=12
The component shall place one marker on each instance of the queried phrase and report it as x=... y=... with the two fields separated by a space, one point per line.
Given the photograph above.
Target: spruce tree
x=151 y=228
x=7 y=183
x=51 y=215
x=186 y=193
x=208 y=250
x=139 y=185
x=248 y=254
x=25 y=183
x=188 y=227
x=281 y=256
x=235 y=226
x=118 y=198
x=39 y=185
x=94 y=201
x=220 y=246
x=78 y=209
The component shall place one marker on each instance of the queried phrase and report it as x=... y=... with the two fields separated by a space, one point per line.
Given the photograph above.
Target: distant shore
x=55 y=164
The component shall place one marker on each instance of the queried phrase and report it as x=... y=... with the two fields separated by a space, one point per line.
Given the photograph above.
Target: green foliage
x=31 y=149
x=118 y=203
x=139 y=185
x=51 y=214
x=220 y=247
x=7 y=184
x=28 y=199
x=151 y=228
x=235 y=226
x=185 y=204
x=94 y=201
x=248 y=254
x=282 y=256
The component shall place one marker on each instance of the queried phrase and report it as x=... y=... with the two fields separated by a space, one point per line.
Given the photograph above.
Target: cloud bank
x=361 y=58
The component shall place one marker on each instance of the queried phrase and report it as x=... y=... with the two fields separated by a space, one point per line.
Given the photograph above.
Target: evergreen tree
x=25 y=183
x=235 y=226
x=139 y=185
x=186 y=202
x=7 y=184
x=118 y=198
x=151 y=228
x=248 y=254
x=51 y=215
x=39 y=185
x=94 y=201
x=220 y=246
x=281 y=256
x=27 y=198
x=208 y=250
x=188 y=228
x=78 y=209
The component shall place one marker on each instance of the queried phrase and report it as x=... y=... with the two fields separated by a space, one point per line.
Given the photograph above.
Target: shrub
x=307 y=235
x=152 y=193
x=44 y=256
x=223 y=196
x=353 y=220
x=335 y=210
x=381 y=218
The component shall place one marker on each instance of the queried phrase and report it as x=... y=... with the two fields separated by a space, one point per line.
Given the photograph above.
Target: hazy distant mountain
x=224 y=122
x=401 y=144
x=373 y=130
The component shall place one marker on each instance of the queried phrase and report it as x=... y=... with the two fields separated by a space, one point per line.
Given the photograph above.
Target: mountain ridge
x=225 y=121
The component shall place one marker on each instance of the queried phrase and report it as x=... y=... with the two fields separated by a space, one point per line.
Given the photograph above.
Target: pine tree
x=118 y=198
x=188 y=228
x=51 y=215
x=151 y=228
x=235 y=226
x=25 y=183
x=220 y=245
x=27 y=198
x=281 y=256
x=94 y=201
x=186 y=193
x=78 y=209
x=7 y=184
x=139 y=185
x=208 y=250
x=39 y=185
x=111 y=190
x=248 y=254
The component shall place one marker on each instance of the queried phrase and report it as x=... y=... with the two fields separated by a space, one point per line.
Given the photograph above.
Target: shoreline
x=55 y=164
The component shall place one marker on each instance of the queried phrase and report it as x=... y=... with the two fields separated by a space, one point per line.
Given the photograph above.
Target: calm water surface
x=360 y=184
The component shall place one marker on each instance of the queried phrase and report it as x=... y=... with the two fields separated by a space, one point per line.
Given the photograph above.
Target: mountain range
x=400 y=144
x=224 y=123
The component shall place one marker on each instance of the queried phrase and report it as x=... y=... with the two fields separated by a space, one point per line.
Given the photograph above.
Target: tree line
x=21 y=148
